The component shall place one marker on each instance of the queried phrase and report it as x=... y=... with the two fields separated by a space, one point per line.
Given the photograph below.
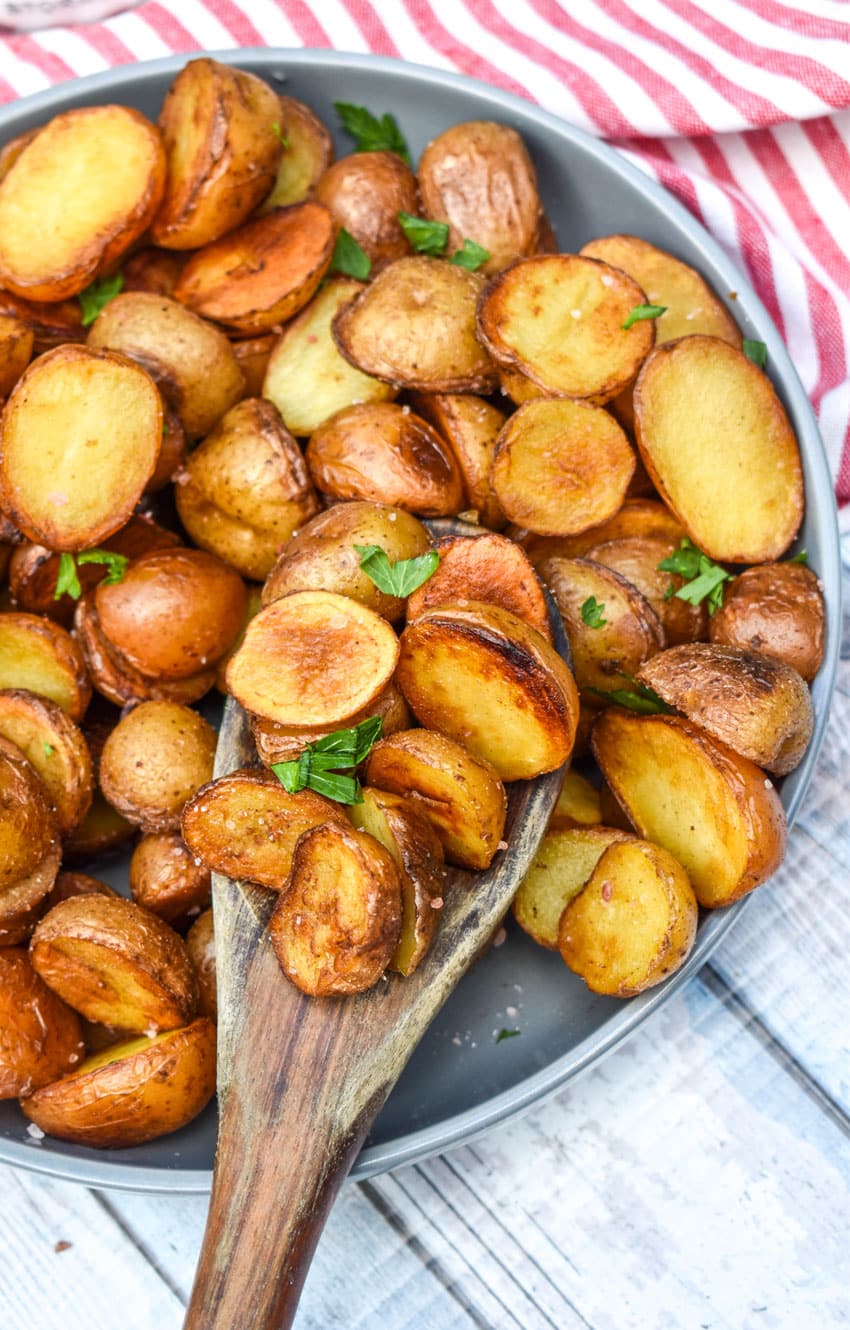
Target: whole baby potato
x=777 y=609
x=155 y=759
x=166 y=878
x=365 y=193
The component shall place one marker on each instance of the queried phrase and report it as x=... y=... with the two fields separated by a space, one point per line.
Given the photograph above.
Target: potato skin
x=635 y=518
x=565 y=859
x=637 y=558
x=365 y=192
x=308 y=154
x=165 y=879
x=40 y=1037
x=488 y=568
x=155 y=759
x=28 y=829
x=22 y=904
x=778 y=610
x=200 y=944
x=16 y=344
x=471 y=426
x=55 y=748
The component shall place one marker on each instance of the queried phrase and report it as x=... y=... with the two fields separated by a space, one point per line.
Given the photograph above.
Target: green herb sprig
x=401 y=578
x=643 y=312
x=470 y=256
x=371 y=134
x=98 y=295
x=755 y=351
x=431 y=238
x=280 y=134
x=705 y=580
x=323 y=765
x=68 y=582
x=349 y=257
x=645 y=701
x=507 y=1034
x=800 y=557
x=592 y=611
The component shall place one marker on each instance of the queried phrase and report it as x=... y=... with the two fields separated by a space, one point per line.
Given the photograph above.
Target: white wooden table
x=699 y=1179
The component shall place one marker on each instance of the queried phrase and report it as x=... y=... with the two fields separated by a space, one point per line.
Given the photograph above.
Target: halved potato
x=720 y=449
x=385 y=453
x=132 y=1091
x=115 y=963
x=313 y=658
x=11 y=150
x=43 y=658
x=246 y=825
x=398 y=825
x=51 y=324
x=337 y=923
x=220 y=126
x=253 y=607
x=578 y=803
x=307 y=378
x=471 y=426
x=252 y=355
x=636 y=517
x=561 y=467
x=414 y=326
x=28 y=829
x=634 y=922
x=365 y=192
x=482 y=676
x=40 y=1037
x=637 y=558
x=263 y=273
x=166 y=878
x=22 y=904
x=200 y=944
x=155 y=759
x=712 y=809
x=307 y=153
x=558 y=319
x=756 y=704
x=283 y=743
x=776 y=609
x=154 y=270
x=488 y=568
x=79 y=440
x=16 y=344
x=56 y=750
x=80 y=194
x=564 y=861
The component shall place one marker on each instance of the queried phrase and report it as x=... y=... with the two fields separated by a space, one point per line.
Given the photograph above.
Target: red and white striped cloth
x=740 y=107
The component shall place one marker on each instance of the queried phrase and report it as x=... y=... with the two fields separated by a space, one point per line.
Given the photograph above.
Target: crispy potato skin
x=471 y=426
x=365 y=192
x=131 y=1092
x=28 y=829
x=51 y=324
x=166 y=880
x=200 y=944
x=22 y=904
x=778 y=610
x=637 y=558
x=337 y=921
x=40 y=1037
x=283 y=743
x=102 y=829
x=16 y=345
x=153 y=270
x=488 y=568
x=155 y=759
x=564 y=861
x=70 y=884
x=308 y=154
x=55 y=748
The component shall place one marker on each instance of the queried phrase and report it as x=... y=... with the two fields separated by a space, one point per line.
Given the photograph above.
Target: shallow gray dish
x=460 y=1081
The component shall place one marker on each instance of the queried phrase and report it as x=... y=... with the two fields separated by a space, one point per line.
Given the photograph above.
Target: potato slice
x=200 y=944
x=191 y=361
x=633 y=924
x=414 y=326
x=223 y=149
x=252 y=355
x=155 y=759
x=283 y=743
x=398 y=825
x=246 y=489
x=637 y=517
x=313 y=658
x=561 y=467
x=253 y=607
x=115 y=963
x=263 y=273
x=40 y=1037
x=56 y=750
x=22 y=904
x=132 y=1091
x=43 y=658
x=558 y=319
x=564 y=861
x=480 y=675
x=629 y=631
x=307 y=378
x=637 y=558
x=246 y=825
x=166 y=879
x=337 y=923
x=365 y=193
x=78 y=197
x=460 y=794
x=711 y=808
x=385 y=453
x=28 y=829
x=322 y=555
x=776 y=609
x=578 y=803
x=720 y=449
x=757 y=705
x=488 y=568
x=471 y=426
x=307 y=154
x=16 y=344
x=80 y=437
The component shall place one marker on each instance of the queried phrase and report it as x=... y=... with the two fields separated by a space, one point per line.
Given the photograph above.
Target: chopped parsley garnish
x=370 y=133
x=323 y=766
x=705 y=580
x=642 y=312
x=755 y=351
x=592 y=611
x=349 y=257
x=98 y=295
x=401 y=578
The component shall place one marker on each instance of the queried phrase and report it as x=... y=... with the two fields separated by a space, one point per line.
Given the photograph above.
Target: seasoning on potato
x=166 y=879
x=40 y=1036
x=55 y=748
x=776 y=609
x=200 y=944
x=487 y=568
x=155 y=759
x=565 y=859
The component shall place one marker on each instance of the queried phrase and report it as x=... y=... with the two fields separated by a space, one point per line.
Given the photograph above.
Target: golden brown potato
x=200 y=944
x=414 y=326
x=482 y=676
x=637 y=558
x=40 y=1037
x=246 y=825
x=471 y=426
x=561 y=467
x=253 y=607
x=386 y=454
x=75 y=884
x=116 y=964
x=132 y=1091
x=51 y=324
x=166 y=879
x=720 y=449
x=637 y=517
x=28 y=829
x=487 y=568
x=322 y=555
x=565 y=859
x=756 y=704
x=102 y=830
x=262 y=274
x=245 y=489
x=558 y=319
x=634 y=922
x=398 y=825
x=16 y=344
x=56 y=750
x=711 y=808
x=776 y=609
x=155 y=759
x=80 y=194
x=313 y=658
x=578 y=804
x=337 y=923
x=220 y=127
x=365 y=192
x=153 y=270
x=43 y=658
x=191 y=361
x=611 y=628
x=518 y=387
x=307 y=378
x=479 y=178
x=307 y=153
x=283 y=743
x=70 y=475
x=22 y=904
x=252 y=355
x=11 y=151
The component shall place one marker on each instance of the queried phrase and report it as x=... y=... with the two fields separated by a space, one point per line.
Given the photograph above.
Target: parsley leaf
x=49 y=750
x=800 y=557
x=98 y=295
x=705 y=580
x=401 y=578
x=645 y=701
x=369 y=133
x=507 y=1034
x=425 y=237
x=755 y=351
x=641 y=312
x=67 y=582
x=349 y=257
x=592 y=611
x=280 y=134
x=115 y=563
x=470 y=255
x=319 y=766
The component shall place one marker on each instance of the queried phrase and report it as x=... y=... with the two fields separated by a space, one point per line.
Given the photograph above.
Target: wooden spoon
x=301 y=1079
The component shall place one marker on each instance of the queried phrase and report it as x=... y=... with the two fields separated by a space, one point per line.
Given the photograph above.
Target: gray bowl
x=460 y=1081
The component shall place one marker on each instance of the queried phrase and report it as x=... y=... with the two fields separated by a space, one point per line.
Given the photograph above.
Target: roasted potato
x=487 y=568
x=28 y=828
x=634 y=922
x=637 y=558
x=283 y=743
x=166 y=878
x=16 y=344
x=365 y=193
x=11 y=151
x=132 y=1091
x=153 y=270
x=776 y=609
x=637 y=517
x=56 y=750
x=40 y=1037
x=50 y=324
x=578 y=803
x=252 y=355
x=70 y=884
x=565 y=859
x=307 y=153
x=155 y=759
x=172 y=453
x=253 y=607
x=22 y=904
x=337 y=922
x=471 y=426
x=200 y=944
x=43 y=658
